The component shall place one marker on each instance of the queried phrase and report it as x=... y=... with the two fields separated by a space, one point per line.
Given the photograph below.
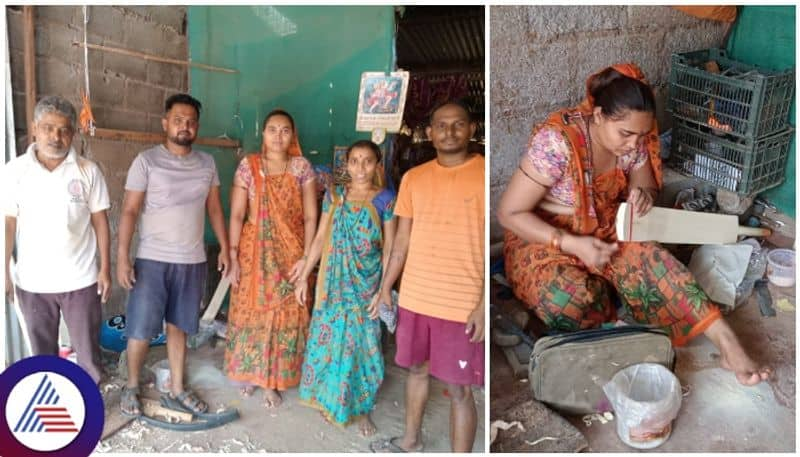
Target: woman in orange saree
x=273 y=220
x=561 y=252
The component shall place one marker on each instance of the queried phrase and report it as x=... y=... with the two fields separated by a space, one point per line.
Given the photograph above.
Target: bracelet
x=555 y=239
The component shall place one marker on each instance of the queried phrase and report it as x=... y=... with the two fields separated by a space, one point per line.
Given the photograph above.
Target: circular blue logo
x=49 y=405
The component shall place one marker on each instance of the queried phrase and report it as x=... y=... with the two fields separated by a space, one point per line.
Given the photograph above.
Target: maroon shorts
x=443 y=344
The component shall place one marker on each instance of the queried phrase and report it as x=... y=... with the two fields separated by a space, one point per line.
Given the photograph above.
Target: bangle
x=555 y=239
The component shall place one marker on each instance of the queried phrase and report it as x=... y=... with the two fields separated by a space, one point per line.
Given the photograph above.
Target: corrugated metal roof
x=438 y=38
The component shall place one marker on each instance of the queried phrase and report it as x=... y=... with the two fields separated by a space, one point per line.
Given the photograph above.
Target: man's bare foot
x=733 y=356
x=365 y=426
x=247 y=391
x=272 y=399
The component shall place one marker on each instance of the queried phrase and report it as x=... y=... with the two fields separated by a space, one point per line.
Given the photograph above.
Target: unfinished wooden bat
x=681 y=227
x=216 y=300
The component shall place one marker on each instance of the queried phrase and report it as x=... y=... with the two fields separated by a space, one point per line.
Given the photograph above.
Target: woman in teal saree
x=343 y=365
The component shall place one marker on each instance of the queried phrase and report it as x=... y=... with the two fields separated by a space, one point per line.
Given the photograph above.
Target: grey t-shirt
x=173 y=217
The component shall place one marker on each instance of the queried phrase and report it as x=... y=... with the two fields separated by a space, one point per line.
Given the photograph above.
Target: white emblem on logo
x=45 y=411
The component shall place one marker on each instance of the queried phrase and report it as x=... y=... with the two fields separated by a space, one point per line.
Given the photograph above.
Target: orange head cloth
x=294 y=147
x=631 y=70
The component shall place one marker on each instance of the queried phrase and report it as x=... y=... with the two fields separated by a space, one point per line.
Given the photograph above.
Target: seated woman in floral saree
x=561 y=252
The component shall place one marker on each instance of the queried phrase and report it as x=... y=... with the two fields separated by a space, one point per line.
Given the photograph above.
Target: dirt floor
x=290 y=428
x=717 y=414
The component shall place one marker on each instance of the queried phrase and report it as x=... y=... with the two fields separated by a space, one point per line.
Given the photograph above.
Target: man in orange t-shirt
x=440 y=240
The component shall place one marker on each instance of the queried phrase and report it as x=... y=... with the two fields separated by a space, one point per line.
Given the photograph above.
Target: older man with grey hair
x=55 y=204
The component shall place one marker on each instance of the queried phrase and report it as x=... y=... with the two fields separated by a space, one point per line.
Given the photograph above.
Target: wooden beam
x=30 y=67
x=148 y=137
x=444 y=68
x=155 y=58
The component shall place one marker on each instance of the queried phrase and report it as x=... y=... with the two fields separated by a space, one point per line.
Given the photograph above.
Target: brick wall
x=542 y=55
x=127 y=92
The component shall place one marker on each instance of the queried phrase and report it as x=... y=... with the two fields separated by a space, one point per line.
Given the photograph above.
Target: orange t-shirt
x=444 y=270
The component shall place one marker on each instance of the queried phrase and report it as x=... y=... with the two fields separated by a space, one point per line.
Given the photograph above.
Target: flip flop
x=388 y=446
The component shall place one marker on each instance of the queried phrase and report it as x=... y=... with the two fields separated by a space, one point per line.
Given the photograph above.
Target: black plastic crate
x=747 y=168
x=742 y=100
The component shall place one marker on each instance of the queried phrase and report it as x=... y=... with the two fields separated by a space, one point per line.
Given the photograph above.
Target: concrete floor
x=717 y=414
x=289 y=428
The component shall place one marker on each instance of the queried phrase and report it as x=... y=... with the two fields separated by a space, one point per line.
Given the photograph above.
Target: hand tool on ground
x=764 y=298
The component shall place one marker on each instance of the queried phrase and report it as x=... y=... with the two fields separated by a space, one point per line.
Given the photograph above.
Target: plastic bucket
x=161 y=371
x=646 y=398
x=780 y=268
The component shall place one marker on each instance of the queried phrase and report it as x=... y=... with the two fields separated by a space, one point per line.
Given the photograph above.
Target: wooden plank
x=150 y=137
x=154 y=58
x=667 y=225
x=30 y=67
x=216 y=300
x=153 y=408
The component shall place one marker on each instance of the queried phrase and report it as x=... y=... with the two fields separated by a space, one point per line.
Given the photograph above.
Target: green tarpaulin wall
x=306 y=60
x=765 y=36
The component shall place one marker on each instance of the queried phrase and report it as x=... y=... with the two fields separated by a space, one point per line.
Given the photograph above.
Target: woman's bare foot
x=325 y=417
x=247 y=391
x=272 y=399
x=365 y=426
x=733 y=356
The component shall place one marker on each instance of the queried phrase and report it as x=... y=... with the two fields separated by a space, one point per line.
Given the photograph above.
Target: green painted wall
x=765 y=36
x=306 y=60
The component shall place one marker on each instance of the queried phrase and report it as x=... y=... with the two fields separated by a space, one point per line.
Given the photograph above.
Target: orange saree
x=267 y=328
x=654 y=287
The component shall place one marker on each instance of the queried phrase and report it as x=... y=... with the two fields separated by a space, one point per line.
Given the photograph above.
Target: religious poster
x=381 y=101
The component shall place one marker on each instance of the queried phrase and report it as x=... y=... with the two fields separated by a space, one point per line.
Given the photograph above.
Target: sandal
x=188 y=401
x=389 y=446
x=129 y=402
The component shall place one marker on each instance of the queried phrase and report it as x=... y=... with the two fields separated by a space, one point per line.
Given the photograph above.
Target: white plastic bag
x=646 y=398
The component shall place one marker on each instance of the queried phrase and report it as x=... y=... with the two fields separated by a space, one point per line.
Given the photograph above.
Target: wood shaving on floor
x=170 y=446
x=502 y=425
x=541 y=440
x=604 y=418
x=109 y=387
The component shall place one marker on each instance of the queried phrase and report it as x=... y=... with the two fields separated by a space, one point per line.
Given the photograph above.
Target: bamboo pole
x=155 y=58
x=30 y=68
x=149 y=137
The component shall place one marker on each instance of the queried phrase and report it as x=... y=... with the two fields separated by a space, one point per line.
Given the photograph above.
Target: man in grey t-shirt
x=173 y=186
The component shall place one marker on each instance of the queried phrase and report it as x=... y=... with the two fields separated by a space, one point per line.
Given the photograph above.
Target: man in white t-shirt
x=55 y=204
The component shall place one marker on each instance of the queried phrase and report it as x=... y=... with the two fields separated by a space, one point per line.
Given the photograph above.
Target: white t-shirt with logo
x=56 y=243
